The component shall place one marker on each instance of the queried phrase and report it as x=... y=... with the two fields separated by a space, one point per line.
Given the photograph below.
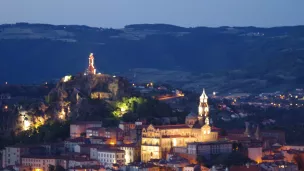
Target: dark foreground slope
x=36 y=52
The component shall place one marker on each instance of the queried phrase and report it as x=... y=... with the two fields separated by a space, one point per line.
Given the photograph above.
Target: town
x=70 y=128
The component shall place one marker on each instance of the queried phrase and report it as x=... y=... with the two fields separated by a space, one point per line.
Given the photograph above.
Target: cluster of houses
x=93 y=147
x=145 y=147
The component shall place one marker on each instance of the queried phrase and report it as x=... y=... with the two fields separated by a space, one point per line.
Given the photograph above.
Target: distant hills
x=259 y=58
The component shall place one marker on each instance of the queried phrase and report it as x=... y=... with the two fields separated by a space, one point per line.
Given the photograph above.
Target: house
x=140 y=167
x=192 y=167
x=99 y=140
x=86 y=168
x=127 y=127
x=114 y=135
x=280 y=165
x=209 y=148
x=11 y=155
x=245 y=168
x=110 y=135
x=70 y=144
x=130 y=152
x=108 y=157
x=79 y=128
x=82 y=162
x=43 y=162
x=86 y=148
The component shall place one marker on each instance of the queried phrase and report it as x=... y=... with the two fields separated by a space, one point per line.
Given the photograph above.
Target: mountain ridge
x=38 y=52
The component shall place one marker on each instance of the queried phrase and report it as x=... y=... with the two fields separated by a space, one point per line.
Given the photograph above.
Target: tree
x=223 y=132
x=202 y=161
x=59 y=168
x=51 y=168
x=83 y=134
x=233 y=158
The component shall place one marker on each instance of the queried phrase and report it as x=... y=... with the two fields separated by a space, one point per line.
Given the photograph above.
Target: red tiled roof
x=179 y=126
x=85 y=122
x=99 y=137
x=244 y=168
x=110 y=150
x=213 y=128
x=237 y=138
x=95 y=128
x=113 y=129
x=127 y=145
x=176 y=136
x=78 y=139
x=93 y=145
x=44 y=157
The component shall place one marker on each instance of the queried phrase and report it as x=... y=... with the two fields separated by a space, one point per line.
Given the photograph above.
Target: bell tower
x=203 y=108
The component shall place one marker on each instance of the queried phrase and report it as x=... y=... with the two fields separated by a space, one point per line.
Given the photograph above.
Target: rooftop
x=178 y=126
x=78 y=139
x=211 y=142
x=114 y=150
x=245 y=168
x=86 y=122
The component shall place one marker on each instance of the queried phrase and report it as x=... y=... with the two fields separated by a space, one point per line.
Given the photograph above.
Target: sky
x=186 y=13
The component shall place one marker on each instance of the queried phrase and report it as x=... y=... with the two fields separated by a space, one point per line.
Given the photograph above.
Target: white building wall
x=129 y=154
x=108 y=158
x=11 y=156
x=93 y=153
x=37 y=163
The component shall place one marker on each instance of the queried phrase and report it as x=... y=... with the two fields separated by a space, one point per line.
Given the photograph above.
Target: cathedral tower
x=203 y=108
x=91 y=68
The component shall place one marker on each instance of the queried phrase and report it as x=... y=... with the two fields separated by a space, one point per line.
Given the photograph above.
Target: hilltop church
x=157 y=141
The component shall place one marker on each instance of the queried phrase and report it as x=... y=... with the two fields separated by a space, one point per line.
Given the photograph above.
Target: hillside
x=237 y=57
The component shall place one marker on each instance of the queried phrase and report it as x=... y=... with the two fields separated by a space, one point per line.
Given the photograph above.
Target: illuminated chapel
x=157 y=141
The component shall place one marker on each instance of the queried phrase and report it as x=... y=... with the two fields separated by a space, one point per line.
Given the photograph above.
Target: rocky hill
x=261 y=58
x=99 y=86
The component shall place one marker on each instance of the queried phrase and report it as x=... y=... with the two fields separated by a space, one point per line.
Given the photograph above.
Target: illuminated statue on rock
x=91 y=68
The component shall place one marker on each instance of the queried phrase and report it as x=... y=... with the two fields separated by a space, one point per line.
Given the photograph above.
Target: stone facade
x=157 y=141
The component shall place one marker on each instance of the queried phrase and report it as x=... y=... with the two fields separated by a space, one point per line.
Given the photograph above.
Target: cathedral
x=157 y=141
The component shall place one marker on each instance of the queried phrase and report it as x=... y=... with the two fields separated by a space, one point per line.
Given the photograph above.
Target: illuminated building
x=91 y=68
x=12 y=155
x=203 y=108
x=157 y=141
x=113 y=135
x=130 y=150
x=77 y=128
x=207 y=149
x=108 y=157
x=42 y=163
